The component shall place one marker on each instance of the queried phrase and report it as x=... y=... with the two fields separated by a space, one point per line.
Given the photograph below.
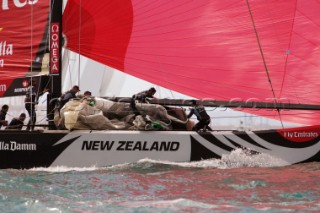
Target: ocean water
x=237 y=183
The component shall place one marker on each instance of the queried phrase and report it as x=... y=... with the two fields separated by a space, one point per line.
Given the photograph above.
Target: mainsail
x=248 y=50
x=23 y=43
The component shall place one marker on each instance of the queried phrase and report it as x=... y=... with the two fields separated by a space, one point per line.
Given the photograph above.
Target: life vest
x=142 y=96
x=31 y=96
x=62 y=101
x=201 y=113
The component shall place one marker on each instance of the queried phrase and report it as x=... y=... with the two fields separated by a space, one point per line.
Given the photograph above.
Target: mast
x=55 y=55
x=56 y=46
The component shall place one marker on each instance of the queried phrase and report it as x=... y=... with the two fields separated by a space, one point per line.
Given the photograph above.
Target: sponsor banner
x=98 y=148
x=301 y=134
x=131 y=145
x=23 y=39
x=116 y=147
x=19 y=86
x=54 y=48
x=14 y=146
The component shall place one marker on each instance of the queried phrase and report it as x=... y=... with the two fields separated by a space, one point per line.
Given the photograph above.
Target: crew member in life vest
x=202 y=116
x=17 y=123
x=30 y=101
x=69 y=95
x=3 y=113
x=142 y=97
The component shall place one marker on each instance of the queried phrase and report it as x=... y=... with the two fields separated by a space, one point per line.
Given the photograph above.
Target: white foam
x=239 y=158
x=64 y=169
x=171 y=204
x=236 y=159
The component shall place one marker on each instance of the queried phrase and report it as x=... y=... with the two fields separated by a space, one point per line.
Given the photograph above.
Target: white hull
x=105 y=148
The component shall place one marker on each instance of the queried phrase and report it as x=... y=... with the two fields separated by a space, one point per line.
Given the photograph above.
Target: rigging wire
x=31 y=37
x=79 y=38
x=31 y=65
x=263 y=59
x=68 y=67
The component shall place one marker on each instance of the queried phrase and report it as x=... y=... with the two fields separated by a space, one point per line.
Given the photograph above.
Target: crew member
x=87 y=94
x=17 y=123
x=69 y=95
x=142 y=97
x=202 y=116
x=30 y=102
x=3 y=113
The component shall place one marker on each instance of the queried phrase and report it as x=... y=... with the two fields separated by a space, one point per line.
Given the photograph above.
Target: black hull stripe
x=247 y=150
x=212 y=139
x=248 y=139
x=314 y=158
x=199 y=152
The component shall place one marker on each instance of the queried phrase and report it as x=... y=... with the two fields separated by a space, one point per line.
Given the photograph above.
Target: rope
x=31 y=61
x=263 y=59
x=79 y=45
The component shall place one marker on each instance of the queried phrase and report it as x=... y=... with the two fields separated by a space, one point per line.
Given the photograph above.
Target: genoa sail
x=262 y=51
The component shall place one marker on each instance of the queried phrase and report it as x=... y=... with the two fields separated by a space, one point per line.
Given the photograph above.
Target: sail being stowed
x=102 y=114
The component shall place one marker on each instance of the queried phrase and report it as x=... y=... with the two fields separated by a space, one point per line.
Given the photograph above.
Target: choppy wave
x=239 y=182
x=156 y=186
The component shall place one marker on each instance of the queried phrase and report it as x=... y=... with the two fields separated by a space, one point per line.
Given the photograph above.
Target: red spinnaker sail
x=22 y=36
x=223 y=50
